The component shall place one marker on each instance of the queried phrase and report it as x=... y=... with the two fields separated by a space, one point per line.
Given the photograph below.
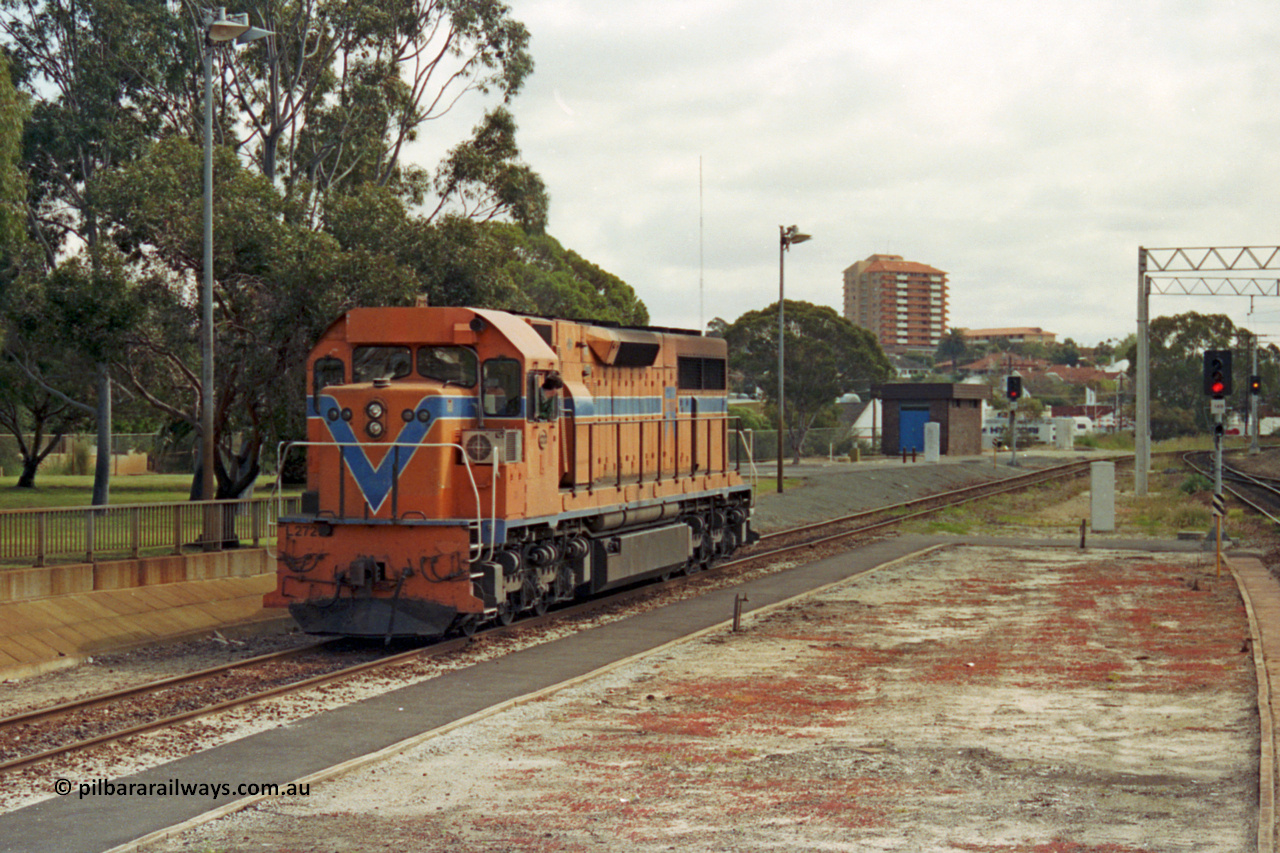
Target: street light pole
x=206 y=306
x=788 y=235
x=218 y=28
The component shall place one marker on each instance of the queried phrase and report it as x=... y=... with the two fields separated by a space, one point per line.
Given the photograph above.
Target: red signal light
x=1217 y=387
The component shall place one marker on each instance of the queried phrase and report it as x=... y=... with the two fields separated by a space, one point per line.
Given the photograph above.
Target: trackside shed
x=908 y=406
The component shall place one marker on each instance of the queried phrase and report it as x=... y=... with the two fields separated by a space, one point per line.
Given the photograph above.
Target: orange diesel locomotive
x=466 y=465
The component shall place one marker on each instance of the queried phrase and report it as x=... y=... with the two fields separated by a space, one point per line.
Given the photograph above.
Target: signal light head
x=1217 y=373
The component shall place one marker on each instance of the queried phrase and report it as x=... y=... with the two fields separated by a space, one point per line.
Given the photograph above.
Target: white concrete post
x=932 y=441
x=1102 y=496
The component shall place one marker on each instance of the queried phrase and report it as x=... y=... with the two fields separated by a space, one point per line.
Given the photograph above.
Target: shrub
x=1195 y=484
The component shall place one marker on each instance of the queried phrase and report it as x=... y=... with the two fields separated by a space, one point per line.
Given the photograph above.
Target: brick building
x=907 y=407
x=902 y=303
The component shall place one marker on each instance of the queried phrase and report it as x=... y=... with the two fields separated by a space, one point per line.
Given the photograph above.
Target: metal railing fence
x=97 y=533
x=819 y=443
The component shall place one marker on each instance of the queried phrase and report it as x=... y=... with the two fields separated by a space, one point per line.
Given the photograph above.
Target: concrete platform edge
x=1249 y=572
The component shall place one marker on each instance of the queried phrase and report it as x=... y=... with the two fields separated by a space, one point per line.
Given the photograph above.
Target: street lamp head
x=791 y=234
x=220 y=27
x=253 y=34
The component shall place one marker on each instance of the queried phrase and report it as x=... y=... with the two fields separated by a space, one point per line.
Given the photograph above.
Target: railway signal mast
x=1217 y=386
x=1013 y=391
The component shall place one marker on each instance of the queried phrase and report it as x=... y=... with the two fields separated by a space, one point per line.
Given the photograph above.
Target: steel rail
x=940 y=501
x=152 y=686
x=990 y=488
x=1240 y=477
x=226 y=704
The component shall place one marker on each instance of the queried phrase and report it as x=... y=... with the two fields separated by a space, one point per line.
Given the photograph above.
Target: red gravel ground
x=964 y=700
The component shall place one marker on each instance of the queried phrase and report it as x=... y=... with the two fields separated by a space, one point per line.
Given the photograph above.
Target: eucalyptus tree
x=335 y=96
x=1176 y=350
x=13 y=181
x=279 y=283
x=319 y=206
x=98 y=75
x=826 y=356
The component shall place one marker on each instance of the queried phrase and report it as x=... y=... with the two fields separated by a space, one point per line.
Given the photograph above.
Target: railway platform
x=335 y=745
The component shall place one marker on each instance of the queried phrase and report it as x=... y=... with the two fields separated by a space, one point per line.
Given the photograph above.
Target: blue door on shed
x=911 y=423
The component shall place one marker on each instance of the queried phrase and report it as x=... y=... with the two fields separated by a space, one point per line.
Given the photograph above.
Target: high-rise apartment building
x=904 y=304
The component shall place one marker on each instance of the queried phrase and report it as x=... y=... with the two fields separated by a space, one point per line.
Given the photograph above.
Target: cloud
x=1027 y=149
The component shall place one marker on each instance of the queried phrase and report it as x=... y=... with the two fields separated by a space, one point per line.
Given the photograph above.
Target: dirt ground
x=973 y=699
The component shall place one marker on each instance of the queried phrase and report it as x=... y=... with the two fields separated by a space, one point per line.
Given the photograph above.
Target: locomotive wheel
x=467 y=627
x=731 y=542
x=540 y=605
x=506 y=614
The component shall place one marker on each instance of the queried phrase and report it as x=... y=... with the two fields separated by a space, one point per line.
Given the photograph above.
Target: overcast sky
x=1027 y=148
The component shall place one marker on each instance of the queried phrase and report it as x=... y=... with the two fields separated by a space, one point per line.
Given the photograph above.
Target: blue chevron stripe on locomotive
x=375 y=481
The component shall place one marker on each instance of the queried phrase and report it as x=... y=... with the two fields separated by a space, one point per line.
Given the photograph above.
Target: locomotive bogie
x=467 y=465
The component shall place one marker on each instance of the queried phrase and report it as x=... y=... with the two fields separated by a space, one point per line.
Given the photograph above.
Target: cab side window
x=501 y=392
x=544 y=395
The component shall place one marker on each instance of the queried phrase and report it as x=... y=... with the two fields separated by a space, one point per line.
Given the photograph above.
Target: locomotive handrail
x=475 y=550
x=748 y=437
x=591 y=423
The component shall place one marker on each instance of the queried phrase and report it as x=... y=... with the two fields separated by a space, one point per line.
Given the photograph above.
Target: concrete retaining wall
x=47 y=581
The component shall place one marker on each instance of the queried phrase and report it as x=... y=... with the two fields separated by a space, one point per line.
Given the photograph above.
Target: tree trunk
x=102 y=470
x=27 y=480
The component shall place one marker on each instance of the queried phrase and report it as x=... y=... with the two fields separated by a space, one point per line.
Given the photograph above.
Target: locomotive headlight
x=374 y=410
x=374 y=428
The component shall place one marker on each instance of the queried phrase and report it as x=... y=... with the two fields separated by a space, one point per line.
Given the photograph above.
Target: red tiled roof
x=895 y=263
x=1012 y=332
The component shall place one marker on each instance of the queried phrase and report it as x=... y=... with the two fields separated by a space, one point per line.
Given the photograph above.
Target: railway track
x=1261 y=494
x=56 y=729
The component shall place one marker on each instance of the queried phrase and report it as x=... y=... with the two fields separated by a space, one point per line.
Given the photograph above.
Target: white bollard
x=1064 y=433
x=932 y=441
x=1102 y=496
